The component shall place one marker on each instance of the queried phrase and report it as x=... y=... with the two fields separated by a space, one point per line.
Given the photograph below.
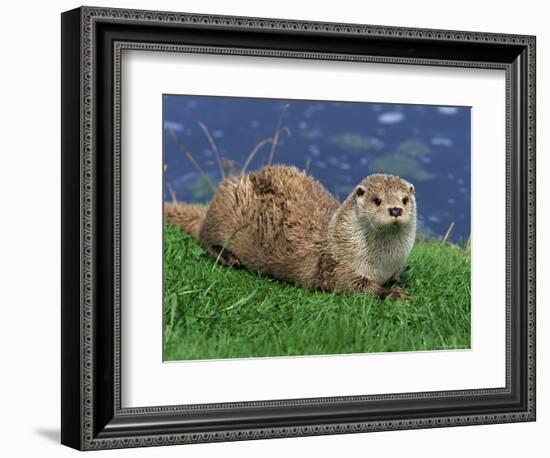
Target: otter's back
x=274 y=221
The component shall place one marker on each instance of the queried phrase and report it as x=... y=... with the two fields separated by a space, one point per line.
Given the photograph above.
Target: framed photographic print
x=277 y=228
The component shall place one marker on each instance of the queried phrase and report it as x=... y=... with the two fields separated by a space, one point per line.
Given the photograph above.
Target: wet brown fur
x=281 y=222
x=188 y=217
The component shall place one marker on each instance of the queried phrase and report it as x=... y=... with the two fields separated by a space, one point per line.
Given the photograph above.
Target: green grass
x=211 y=311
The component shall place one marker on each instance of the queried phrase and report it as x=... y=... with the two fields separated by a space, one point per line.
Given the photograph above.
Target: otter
x=281 y=222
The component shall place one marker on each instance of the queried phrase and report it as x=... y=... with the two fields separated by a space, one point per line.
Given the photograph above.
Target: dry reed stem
x=172 y=193
x=189 y=156
x=265 y=141
x=214 y=147
x=445 y=238
x=277 y=134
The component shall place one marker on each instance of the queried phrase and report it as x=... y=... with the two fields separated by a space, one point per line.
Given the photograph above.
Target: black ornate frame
x=92 y=42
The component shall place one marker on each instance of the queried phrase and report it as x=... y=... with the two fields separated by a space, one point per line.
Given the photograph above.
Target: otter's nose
x=396 y=211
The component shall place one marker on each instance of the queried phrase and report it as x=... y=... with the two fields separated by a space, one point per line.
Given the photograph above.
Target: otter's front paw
x=225 y=257
x=394 y=294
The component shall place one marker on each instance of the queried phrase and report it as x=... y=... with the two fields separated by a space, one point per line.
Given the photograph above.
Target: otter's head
x=385 y=202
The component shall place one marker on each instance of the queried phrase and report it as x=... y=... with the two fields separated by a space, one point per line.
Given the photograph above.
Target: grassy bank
x=212 y=311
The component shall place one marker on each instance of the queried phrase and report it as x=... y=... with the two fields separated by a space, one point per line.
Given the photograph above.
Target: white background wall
x=30 y=240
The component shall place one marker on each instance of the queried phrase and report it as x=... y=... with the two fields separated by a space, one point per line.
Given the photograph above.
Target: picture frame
x=93 y=416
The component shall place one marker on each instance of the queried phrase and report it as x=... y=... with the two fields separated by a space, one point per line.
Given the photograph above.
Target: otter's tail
x=188 y=217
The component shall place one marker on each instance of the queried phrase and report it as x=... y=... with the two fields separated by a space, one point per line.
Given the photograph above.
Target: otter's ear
x=360 y=191
x=411 y=188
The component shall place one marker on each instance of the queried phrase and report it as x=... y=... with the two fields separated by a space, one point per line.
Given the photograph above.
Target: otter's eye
x=377 y=201
x=405 y=200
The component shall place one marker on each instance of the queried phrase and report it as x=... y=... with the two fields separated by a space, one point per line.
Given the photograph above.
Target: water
x=339 y=143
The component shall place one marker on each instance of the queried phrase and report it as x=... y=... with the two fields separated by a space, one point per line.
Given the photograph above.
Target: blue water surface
x=339 y=143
